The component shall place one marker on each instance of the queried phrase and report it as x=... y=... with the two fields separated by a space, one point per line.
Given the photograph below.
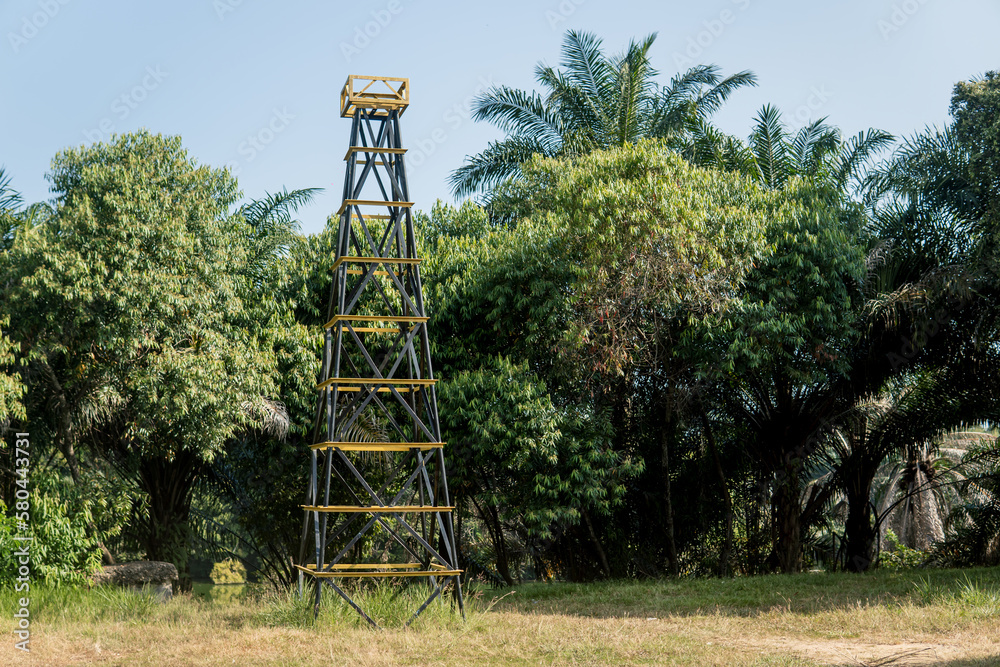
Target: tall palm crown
x=593 y=101
x=774 y=154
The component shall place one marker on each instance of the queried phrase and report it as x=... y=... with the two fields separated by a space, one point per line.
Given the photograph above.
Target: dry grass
x=943 y=618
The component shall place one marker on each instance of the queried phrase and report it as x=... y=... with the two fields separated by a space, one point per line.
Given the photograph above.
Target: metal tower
x=378 y=493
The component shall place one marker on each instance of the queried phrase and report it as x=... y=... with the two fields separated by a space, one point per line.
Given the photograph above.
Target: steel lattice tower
x=378 y=493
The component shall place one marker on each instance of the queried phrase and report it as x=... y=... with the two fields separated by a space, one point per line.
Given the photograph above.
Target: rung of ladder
x=359 y=272
x=376 y=509
x=378 y=446
x=377 y=381
x=393 y=573
x=380 y=390
x=374 y=318
x=374 y=566
x=370 y=149
x=376 y=330
x=375 y=260
x=373 y=202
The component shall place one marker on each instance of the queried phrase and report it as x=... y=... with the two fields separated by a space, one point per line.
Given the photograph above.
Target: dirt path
x=862 y=654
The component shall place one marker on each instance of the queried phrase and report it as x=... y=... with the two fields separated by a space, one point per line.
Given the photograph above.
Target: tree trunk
x=859 y=531
x=597 y=544
x=492 y=520
x=66 y=438
x=170 y=485
x=668 y=508
x=787 y=524
x=727 y=545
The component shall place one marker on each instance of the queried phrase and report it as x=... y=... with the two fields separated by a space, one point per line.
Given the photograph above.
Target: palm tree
x=973 y=527
x=10 y=199
x=10 y=202
x=906 y=416
x=271 y=228
x=592 y=102
x=921 y=489
x=928 y=200
x=773 y=154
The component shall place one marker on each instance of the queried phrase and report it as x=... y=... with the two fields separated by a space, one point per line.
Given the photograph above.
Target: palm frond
x=711 y=147
x=810 y=146
x=633 y=82
x=519 y=113
x=10 y=199
x=581 y=113
x=271 y=227
x=711 y=100
x=500 y=161
x=586 y=67
x=768 y=143
x=857 y=152
x=272 y=213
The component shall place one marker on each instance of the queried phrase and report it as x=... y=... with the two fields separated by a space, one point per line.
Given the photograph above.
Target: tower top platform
x=381 y=93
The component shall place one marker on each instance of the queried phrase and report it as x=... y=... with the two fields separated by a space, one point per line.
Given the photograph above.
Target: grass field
x=922 y=617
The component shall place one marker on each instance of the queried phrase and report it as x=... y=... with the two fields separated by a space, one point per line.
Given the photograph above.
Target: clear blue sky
x=218 y=72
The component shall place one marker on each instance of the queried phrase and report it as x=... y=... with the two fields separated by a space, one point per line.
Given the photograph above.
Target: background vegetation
x=664 y=350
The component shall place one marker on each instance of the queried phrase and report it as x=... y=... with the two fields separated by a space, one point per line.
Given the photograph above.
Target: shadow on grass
x=806 y=593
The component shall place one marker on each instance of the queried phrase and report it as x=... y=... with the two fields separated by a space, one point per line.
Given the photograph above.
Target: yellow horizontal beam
x=361 y=272
x=378 y=446
x=373 y=202
x=372 y=149
x=372 y=566
x=347 y=259
x=376 y=381
x=373 y=318
x=375 y=509
x=402 y=573
x=380 y=390
x=378 y=318
x=376 y=330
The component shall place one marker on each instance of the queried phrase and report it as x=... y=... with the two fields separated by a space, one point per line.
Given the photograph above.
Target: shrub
x=229 y=571
x=897 y=556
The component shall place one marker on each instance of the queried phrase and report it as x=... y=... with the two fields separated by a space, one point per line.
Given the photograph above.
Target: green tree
x=593 y=102
x=524 y=464
x=263 y=476
x=933 y=209
x=130 y=303
x=975 y=108
x=787 y=341
x=606 y=284
x=11 y=387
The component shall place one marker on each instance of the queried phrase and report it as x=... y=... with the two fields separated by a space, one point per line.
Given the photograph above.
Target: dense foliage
x=663 y=350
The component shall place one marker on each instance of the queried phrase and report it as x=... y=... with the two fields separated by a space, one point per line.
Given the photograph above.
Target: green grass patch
x=805 y=593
